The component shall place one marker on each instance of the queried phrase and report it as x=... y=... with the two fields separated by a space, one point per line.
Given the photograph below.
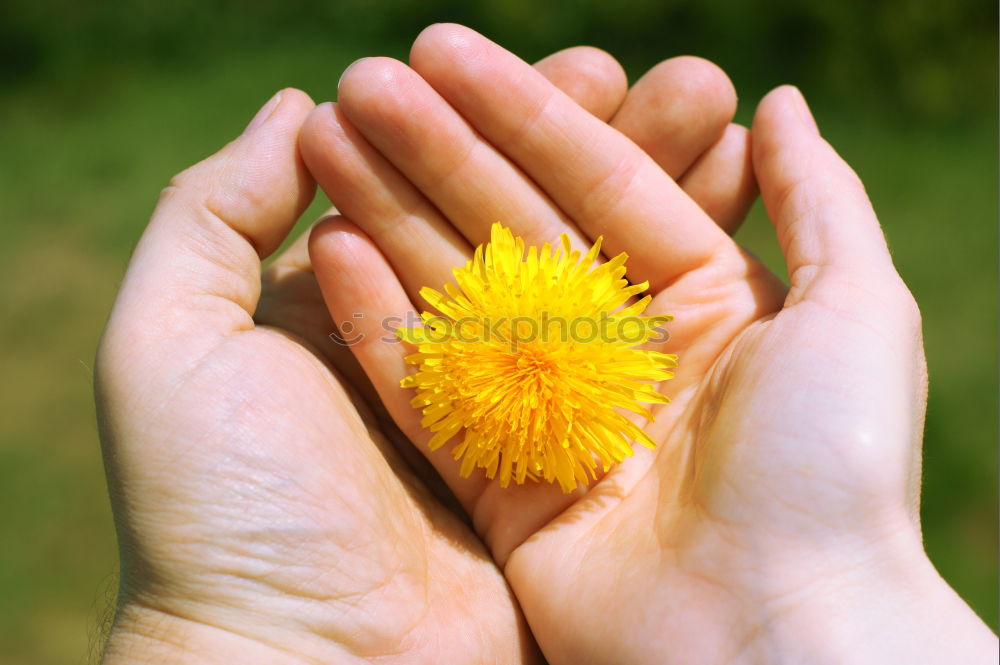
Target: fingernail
x=349 y=68
x=803 y=110
x=264 y=113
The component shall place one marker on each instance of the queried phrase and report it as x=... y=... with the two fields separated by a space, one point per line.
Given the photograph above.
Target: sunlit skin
x=271 y=498
x=263 y=503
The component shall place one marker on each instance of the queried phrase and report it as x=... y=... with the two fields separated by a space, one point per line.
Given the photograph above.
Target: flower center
x=532 y=360
x=537 y=373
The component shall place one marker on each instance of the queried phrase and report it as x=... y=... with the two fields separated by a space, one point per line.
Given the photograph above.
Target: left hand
x=263 y=514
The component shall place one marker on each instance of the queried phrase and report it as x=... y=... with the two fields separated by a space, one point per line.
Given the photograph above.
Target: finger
x=469 y=181
x=722 y=181
x=604 y=182
x=589 y=76
x=296 y=255
x=677 y=110
x=679 y=113
x=367 y=301
x=419 y=243
x=359 y=286
x=291 y=300
x=195 y=273
x=824 y=221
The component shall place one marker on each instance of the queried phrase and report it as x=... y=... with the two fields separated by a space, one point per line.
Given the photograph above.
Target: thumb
x=195 y=274
x=824 y=220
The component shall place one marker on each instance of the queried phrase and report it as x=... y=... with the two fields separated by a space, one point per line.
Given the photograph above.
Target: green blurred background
x=101 y=102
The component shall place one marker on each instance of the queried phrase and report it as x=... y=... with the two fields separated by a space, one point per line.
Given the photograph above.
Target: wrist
x=145 y=635
x=895 y=609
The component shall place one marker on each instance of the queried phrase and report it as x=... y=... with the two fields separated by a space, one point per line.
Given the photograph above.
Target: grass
x=78 y=177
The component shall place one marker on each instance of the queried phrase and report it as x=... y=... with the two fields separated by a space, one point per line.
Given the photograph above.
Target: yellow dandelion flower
x=535 y=358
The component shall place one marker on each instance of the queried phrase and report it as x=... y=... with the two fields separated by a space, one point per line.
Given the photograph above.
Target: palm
x=713 y=306
x=751 y=479
x=355 y=535
x=279 y=478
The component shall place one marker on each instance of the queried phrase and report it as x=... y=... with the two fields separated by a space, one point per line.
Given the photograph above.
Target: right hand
x=777 y=519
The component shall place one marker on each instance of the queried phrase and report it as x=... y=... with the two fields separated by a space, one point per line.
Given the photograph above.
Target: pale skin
x=271 y=490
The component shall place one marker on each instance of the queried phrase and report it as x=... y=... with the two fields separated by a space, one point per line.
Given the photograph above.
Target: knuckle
x=182 y=180
x=791 y=198
x=607 y=193
x=189 y=181
x=910 y=307
x=536 y=116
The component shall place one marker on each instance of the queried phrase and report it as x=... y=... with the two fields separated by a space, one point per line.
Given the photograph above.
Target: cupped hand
x=777 y=520
x=263 y=514
x=265 y=509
